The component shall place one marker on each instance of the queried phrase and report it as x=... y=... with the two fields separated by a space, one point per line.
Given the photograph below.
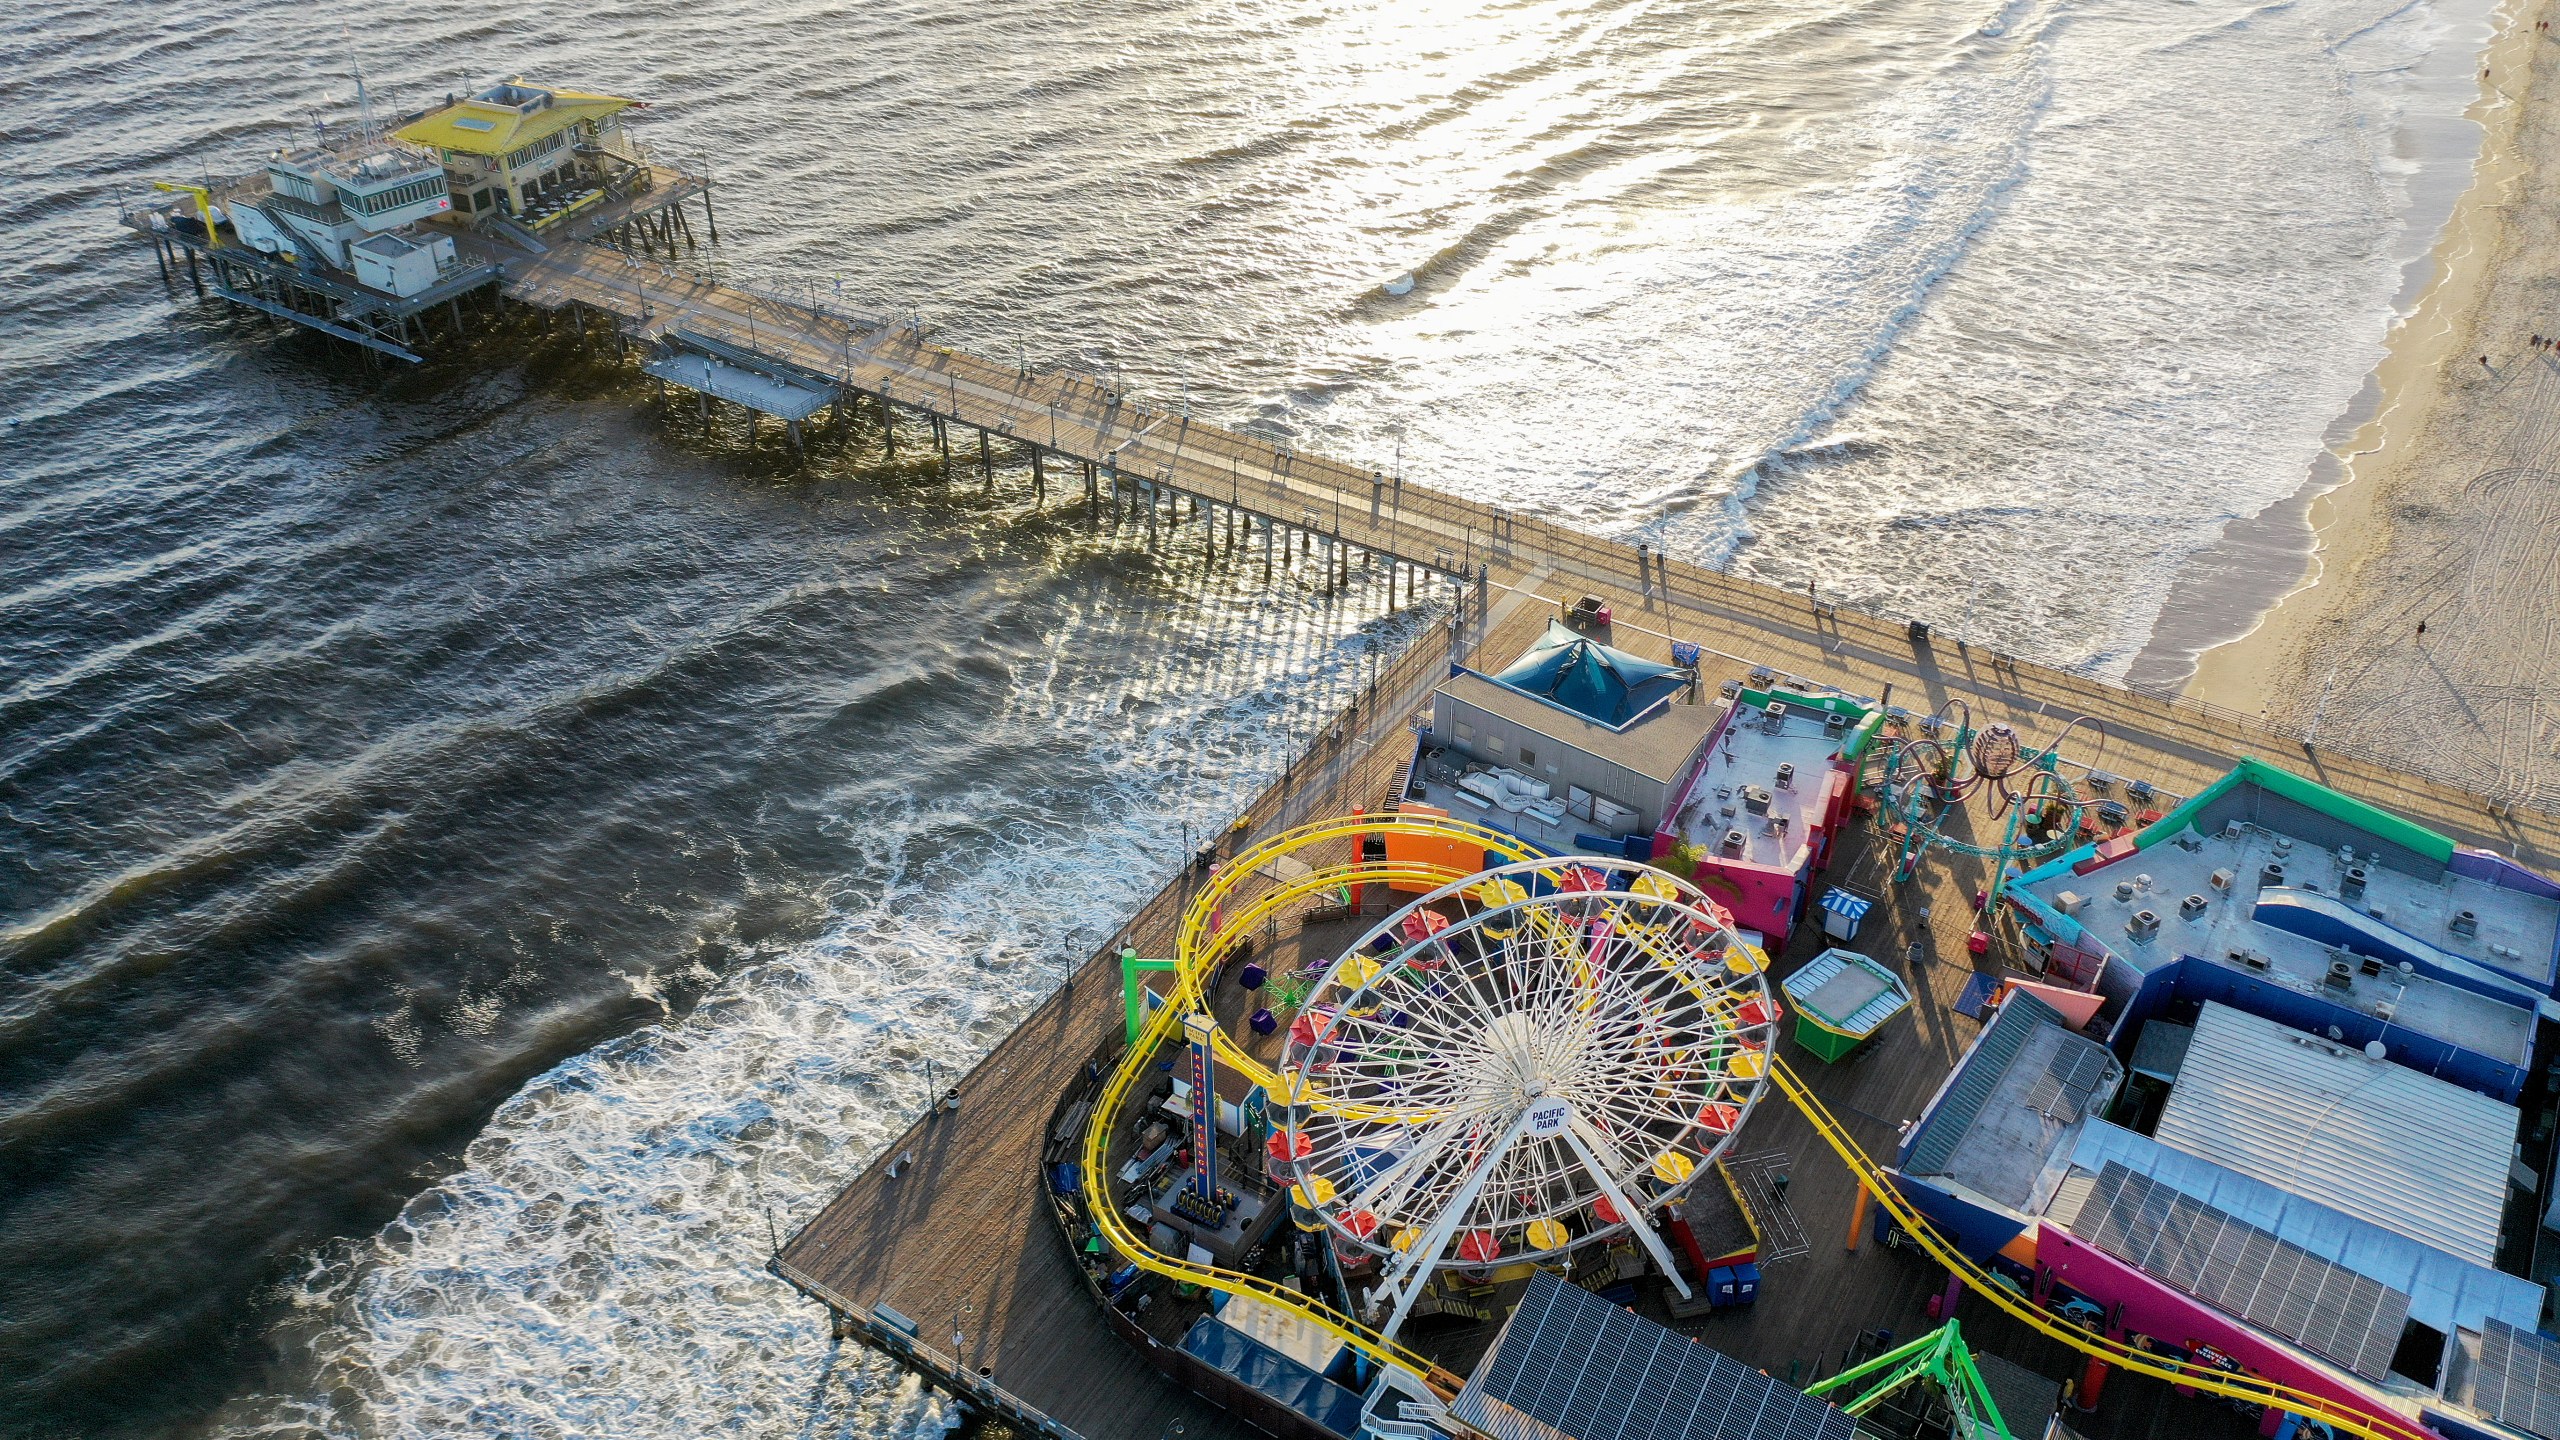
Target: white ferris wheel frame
x=1471 y=1068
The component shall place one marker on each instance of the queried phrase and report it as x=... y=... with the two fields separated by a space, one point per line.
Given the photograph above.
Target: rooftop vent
x=2070 y=902
x=2191 y=907
x=2124 y=890
x=2233 y=829
x=2144 y=925
x=1735 y=842
x=2351 y=884
x=1786 y=777
x=2221 y=879
x=2465 y=923
x=2249 y=959
x=2370 y=966
x=2284 y=845
x=2190 y=841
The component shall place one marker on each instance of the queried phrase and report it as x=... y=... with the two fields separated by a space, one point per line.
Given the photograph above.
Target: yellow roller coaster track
x=1207 y=932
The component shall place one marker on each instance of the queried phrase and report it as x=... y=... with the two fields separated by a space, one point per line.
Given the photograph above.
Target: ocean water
x=474 y=863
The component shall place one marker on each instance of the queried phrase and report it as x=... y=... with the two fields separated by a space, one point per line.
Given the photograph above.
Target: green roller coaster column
x=1133 y=989
x=1938 y=1359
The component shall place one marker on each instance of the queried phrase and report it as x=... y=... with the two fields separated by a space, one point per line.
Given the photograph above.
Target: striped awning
x=1849 y=907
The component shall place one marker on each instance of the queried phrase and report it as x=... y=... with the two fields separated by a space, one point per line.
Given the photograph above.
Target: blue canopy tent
x=1588 y=678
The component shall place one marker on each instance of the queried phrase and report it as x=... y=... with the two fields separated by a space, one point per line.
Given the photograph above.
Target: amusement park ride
x=1944 y=785
x=1525 y=1064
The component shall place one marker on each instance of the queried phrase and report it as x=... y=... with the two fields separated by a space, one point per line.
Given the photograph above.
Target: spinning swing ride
x=1515 y=1085
x=1935 y=786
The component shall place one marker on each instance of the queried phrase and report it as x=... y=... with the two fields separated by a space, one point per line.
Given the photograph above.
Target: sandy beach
x=2427 y=626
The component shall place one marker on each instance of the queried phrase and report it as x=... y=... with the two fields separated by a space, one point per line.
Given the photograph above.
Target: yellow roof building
x=506 y=118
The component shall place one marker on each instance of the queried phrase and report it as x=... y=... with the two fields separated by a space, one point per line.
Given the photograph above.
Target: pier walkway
x=953 y=1263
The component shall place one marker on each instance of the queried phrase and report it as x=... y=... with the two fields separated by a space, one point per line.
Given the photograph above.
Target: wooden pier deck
x=1077 y=419
x=961 y=1241
x=967 y=1225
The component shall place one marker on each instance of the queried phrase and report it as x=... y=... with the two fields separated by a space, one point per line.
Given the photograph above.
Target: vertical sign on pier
x=1204 y=1109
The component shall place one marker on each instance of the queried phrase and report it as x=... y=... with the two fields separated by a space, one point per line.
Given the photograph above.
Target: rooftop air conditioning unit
x=1729 y=689
x=2370 y=966
x=2191 y=907
x=2140 y=791
x=2271 y=873
x=1735 y=842
x=2342 y=973
x=2351 y=884
x=2233 y=829
x=1786 y=777
x=1755 y=799
x=2144 y=925
x=2070 y=902
x=2465 y=923
x=1761 y=675
x=2221 y=879
x=2385 y=1010
x=1834 y=724
x=2249 y=959
x=1774 y=719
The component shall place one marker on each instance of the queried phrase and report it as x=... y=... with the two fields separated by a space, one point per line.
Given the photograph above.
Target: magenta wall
x=1761 y=899
x=2165 y=1315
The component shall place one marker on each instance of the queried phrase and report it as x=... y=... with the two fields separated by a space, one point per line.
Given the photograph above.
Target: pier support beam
x=986 y=461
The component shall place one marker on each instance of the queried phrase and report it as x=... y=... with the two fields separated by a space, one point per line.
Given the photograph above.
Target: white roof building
x=2369 y=1138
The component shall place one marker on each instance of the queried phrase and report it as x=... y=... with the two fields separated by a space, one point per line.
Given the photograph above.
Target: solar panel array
x=2063 y=1092
x=2518 y=1379
x=1571 y=1364
x=2238 y=1268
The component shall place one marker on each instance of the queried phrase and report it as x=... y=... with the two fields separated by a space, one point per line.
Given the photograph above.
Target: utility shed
x=2369 y=1138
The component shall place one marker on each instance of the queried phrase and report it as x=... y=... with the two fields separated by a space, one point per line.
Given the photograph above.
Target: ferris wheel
x=1521 y=1081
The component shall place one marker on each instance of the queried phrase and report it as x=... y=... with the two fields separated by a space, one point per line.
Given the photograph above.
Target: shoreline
x=2298 y=559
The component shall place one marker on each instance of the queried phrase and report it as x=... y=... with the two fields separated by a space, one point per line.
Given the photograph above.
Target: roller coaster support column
x=1133 y=990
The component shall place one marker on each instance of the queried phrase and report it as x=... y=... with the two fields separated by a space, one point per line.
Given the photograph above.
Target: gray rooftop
x=2002 y=1124
x=1748 y=754
x=1657 y=747
x=2226 y=929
